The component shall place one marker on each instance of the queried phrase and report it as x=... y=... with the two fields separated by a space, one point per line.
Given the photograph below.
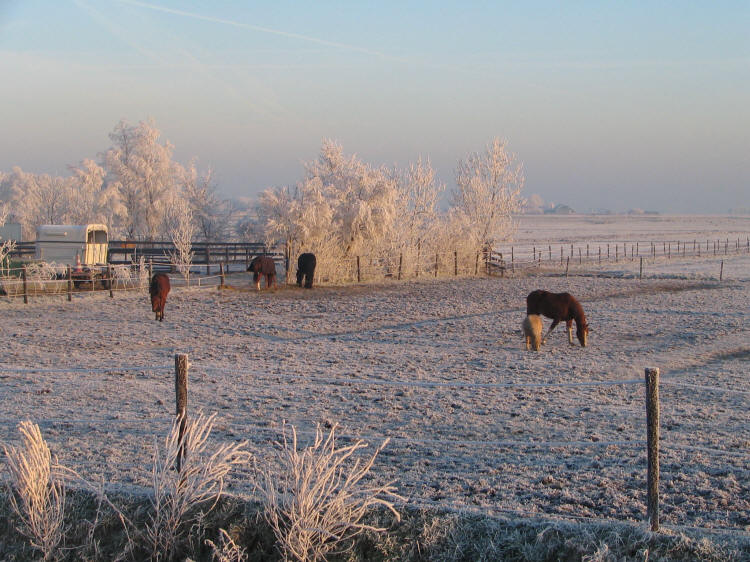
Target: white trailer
x=66 y=244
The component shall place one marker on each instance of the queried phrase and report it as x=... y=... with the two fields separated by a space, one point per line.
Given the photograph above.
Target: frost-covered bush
x=37 y=490
x=344 y=208
x=315 y=497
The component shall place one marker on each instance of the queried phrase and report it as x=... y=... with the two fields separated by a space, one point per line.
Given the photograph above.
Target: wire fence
x=454 y=446
x=37 y=279
x=528 y=257
x=41 y=279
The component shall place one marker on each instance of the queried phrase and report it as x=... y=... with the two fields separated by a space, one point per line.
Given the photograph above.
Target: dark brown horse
x=559 y=307
x=263 y=265
x=159 y=289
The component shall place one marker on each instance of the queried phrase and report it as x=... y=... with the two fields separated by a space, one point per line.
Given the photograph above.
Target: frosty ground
x=437 y=366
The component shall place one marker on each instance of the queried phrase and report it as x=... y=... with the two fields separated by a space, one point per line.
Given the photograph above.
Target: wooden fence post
x=567 y=265
x=400 y=263
x=455 y=263
x=436 y=264
x=640 y=274
x=221 y=275
x=109 y=281
x=652 y=432
x=25 y=286
x=476 y=265
x=181 y=394
x=70 y=284
x=721 y=271
x=359 y=278
x=208 y=260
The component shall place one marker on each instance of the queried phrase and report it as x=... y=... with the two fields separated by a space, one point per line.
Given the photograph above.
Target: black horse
x=306 y=269
x=559 y=307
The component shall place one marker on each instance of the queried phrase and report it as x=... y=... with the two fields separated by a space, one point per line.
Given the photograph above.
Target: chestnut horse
x=263 y=265
x=559 y=307
x=159 y=289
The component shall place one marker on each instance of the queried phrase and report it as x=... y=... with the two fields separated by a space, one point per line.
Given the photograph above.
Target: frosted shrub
x=37 y=491
x=39 y=275
x=315 y=497
x=199 y=481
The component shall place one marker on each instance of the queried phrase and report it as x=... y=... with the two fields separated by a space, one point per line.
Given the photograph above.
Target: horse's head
x=582 y=333
x=155 y=301
x=300 y=275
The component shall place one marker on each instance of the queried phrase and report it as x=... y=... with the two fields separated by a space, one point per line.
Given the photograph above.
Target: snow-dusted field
x=437 y=366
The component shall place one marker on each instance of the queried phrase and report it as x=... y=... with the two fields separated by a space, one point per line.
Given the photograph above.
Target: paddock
x=438 y=366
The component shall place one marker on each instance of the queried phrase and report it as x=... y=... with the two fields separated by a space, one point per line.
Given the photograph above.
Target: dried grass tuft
x=316 y=499
x=37 y=491
x=199 y=481
x=227 y=550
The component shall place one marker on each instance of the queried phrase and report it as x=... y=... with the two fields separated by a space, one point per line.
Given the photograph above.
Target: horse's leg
x=569 y=325
x=552 y=327
x=528 y=343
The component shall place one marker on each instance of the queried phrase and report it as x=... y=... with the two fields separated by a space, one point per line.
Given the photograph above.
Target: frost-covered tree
x=180 y=228
x=487 y=194
x=213 y=216
x=362 y=198
x=143 y=171
x=418 y=222
x=39 y=199
x=341 y=209
x=91 y=199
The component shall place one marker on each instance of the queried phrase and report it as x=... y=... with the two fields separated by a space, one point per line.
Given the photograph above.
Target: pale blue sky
x=609 y=105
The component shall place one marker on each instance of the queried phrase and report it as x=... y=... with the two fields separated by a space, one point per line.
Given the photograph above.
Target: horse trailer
x=67 y=244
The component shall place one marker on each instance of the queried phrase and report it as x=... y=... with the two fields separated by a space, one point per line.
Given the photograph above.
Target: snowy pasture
x=437 y=366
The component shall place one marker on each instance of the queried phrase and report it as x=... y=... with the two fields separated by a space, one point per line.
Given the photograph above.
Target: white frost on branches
x=181 y=230
x=342 y=209
x=345 y=208
x=144 y=174
x=488 y=193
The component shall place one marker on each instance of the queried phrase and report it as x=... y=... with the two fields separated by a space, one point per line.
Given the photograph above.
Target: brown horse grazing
x=559 y=307
x=159 y=289
x=263 y=265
